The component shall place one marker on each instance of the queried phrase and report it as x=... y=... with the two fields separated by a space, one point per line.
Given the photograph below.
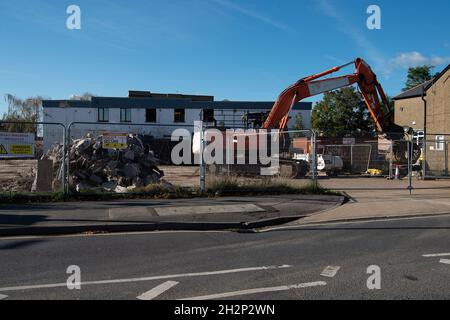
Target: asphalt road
x=413 y=257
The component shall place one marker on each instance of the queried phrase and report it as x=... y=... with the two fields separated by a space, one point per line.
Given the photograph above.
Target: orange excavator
x=374 y=97
x=368 y=84
x=372 y=92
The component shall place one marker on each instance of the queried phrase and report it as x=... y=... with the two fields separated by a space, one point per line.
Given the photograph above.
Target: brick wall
x=410 y=113
x=438 y=124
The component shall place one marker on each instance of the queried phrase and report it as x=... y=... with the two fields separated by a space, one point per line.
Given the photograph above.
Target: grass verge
x=232 y=186
x=216 y=187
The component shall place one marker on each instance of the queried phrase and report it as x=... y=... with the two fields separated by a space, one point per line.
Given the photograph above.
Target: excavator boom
x=374 y=98
x=366 y=79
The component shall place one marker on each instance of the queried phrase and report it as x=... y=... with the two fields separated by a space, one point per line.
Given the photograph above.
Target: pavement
x=380 y=200
x=147 y=215
x=382 y=204
x=391 y=259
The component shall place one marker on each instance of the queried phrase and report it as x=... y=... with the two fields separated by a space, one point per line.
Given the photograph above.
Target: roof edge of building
x=425 y=87
x=414 y=92
x=125 y=102
x=436 y=79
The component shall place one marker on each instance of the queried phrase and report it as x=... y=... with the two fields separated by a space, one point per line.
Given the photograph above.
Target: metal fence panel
x=125 y=157
x=368 y=161
x=48 y=157
x=258 y=158
x=436 y=155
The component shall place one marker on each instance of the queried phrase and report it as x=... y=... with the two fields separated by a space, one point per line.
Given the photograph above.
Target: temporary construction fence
x=258 y=158
x=125 y=157
x=304 y=156
x=366 y=154
x=435 y=148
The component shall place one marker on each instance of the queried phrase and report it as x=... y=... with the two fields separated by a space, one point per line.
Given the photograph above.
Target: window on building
x=208 y=115
x=103 y=114
x=440 y=143
x=150 y=115
x=179 y=115
x=125 y=115
x=419 y=136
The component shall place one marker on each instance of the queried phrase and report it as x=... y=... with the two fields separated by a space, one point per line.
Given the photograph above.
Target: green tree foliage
x=21 y=110
x=417 y=76
x=385 y=111
x=341 y=112
x=298 y=125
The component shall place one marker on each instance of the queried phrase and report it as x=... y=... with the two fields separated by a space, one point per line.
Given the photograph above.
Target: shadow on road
x=19 y=244
x=14 y=219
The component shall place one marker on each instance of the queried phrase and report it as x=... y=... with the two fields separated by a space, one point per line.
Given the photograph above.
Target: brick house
x=433 y=97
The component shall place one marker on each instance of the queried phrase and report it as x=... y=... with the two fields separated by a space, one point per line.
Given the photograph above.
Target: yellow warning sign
x=115 y=140
x=3 y=149
x=17 y=145
x=21 y=149
x=114 y=145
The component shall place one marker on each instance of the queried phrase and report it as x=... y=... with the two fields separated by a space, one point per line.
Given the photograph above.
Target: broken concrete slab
x=121 y=170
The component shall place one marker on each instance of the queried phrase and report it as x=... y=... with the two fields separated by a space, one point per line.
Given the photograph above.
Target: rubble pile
x=92 y=167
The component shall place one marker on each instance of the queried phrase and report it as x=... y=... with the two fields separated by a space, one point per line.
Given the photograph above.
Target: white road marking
x=181 y=275
x=257 y=290
x=156 y=291
x=436 y=255
x=330 y=271
x=2 y=296
x=373 y=220
x=445 y=261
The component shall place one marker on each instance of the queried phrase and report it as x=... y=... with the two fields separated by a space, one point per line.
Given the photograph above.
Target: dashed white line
x=330 y=271
x=171 y=276
x=445 y=261
x=436 y=255
x=2 y=296
x=257 y=290
x=156 y=291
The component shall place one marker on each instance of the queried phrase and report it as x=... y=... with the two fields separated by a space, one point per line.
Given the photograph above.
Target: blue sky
x=237 y=50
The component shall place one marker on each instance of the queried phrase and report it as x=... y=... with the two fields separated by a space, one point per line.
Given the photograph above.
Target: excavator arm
x=366 y=79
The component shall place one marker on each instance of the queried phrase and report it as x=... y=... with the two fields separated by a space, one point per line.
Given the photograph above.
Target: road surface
x=329 y=261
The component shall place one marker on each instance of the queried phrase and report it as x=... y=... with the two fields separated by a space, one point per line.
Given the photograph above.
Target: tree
x=22 y=110
x=298 y=125
x=341 y=112
x=391 y=104
x=418 y=75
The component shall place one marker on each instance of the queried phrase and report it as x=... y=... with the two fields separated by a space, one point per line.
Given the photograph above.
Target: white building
x=152 y=114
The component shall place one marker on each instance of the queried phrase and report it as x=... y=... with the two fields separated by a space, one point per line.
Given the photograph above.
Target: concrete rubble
x=23 y=181
x=91 y=167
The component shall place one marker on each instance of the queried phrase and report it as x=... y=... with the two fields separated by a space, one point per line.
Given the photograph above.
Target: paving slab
x=380 y=204
x=211 y=209
x=146 y=215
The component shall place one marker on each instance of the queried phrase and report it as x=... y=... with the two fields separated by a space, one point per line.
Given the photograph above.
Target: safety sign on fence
x=17 y=145
x=115 y=140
